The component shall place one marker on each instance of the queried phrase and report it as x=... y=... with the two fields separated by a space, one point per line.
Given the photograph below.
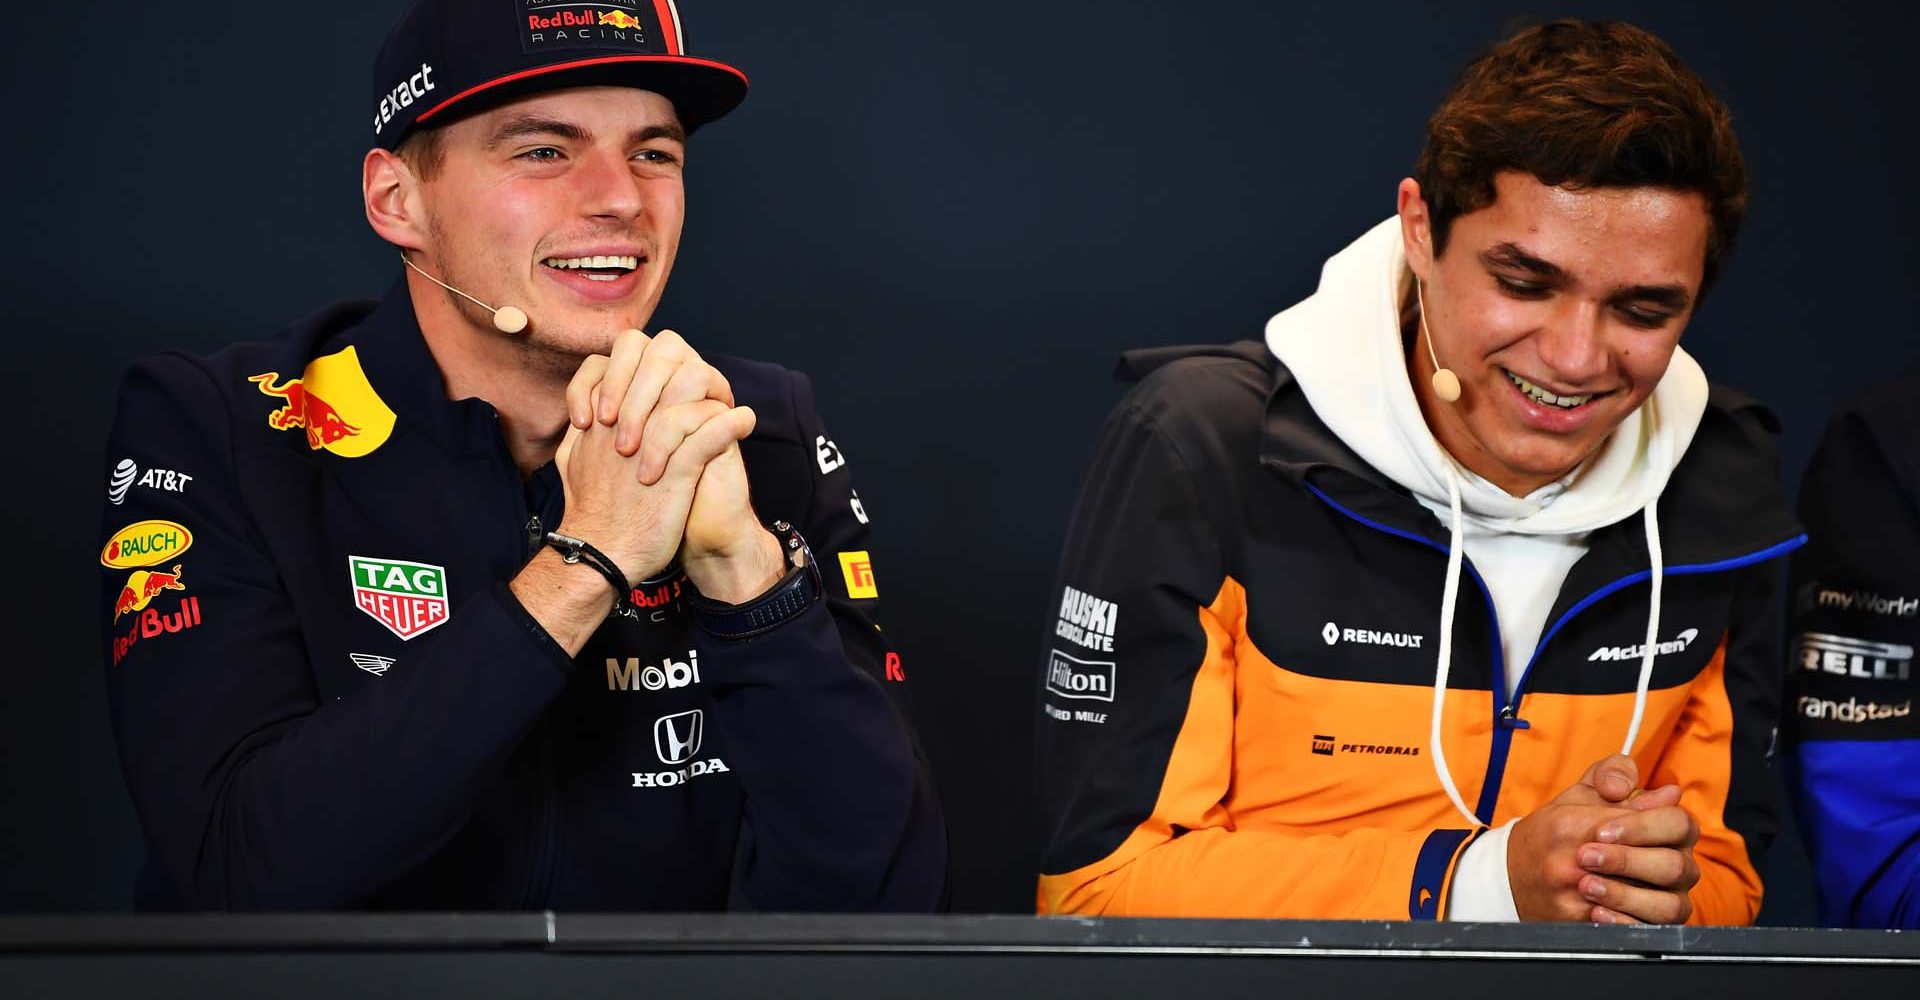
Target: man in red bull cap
x=496 y=600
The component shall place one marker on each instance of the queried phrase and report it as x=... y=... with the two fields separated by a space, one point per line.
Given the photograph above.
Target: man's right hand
x=637 y=525
x=1605 y=851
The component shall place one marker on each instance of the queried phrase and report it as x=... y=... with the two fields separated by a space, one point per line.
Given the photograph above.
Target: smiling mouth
x=1545 y=398
x=596 y=268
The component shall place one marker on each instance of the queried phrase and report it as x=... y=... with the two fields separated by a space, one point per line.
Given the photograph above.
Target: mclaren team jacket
x=1237 y=691
x=1856 y=622
x=326 y=696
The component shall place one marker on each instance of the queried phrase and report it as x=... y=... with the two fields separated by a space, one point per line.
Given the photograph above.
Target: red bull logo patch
x=150 y=623
x=145 y=543
x=142 y=587
x=409 y=598
x=634 y=25
x=333 y=402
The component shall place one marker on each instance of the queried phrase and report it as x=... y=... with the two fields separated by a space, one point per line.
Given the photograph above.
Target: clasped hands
x=650 y=467
x=1606 y=851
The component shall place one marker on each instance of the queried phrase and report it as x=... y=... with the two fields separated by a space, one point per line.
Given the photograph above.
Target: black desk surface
x=522 y=954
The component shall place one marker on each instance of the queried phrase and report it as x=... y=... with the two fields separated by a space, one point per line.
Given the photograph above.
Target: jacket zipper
x=1507 y=716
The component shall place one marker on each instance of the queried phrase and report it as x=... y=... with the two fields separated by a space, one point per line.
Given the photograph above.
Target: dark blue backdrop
x=952 y=215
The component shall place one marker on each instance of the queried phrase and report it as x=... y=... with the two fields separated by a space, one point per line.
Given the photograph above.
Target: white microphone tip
x=510 y=319
x=1446 y=385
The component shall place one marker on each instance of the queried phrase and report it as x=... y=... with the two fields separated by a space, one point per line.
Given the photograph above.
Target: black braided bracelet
x=574 y=550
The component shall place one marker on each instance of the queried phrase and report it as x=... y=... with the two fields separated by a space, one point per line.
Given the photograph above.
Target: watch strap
x=786 y=600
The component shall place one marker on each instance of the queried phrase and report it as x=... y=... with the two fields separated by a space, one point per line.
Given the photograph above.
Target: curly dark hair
x=1580 y=105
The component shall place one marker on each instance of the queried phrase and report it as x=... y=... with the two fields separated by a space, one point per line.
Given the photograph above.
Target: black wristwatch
x=786 y=600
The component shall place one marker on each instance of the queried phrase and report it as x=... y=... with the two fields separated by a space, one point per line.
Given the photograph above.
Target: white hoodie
x=1345 y=348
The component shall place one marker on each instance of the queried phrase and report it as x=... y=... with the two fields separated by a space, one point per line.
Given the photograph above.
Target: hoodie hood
x=1344 y=347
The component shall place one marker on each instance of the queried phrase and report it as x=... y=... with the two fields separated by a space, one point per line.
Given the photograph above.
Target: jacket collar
x=394 y=355
x=1722 y=504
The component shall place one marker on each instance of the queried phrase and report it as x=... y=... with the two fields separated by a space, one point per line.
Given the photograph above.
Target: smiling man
x=480 y=597
x=1455 y=598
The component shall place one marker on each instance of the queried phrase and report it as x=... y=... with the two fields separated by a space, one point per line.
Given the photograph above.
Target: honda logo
x=676 y=738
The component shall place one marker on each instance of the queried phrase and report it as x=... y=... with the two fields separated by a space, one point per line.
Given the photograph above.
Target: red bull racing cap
x=450 y=58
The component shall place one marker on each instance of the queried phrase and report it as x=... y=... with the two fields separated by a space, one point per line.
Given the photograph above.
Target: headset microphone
x=1446 y=384
x=506 y=319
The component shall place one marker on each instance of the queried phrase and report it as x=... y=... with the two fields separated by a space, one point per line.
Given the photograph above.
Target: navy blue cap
x=450 y=58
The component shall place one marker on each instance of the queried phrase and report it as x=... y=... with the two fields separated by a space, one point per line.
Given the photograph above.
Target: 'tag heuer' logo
x=145 y=543
x=409 y=598
x=335 y=404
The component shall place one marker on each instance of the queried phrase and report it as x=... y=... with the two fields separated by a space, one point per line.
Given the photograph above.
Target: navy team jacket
x=1850 y=725
x=326 y=696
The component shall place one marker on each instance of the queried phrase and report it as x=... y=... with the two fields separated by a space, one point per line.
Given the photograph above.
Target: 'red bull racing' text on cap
x=450 y=58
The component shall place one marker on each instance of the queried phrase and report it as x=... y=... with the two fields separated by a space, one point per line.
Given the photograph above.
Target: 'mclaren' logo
x=1678 y=644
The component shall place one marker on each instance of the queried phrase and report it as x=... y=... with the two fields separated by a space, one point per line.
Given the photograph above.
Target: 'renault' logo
x=333 y=402
x=409 y=598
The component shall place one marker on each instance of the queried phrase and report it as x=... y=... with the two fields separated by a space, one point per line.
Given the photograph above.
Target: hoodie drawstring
x=1652 y=647
x=1435 y=752
x=1455 y=549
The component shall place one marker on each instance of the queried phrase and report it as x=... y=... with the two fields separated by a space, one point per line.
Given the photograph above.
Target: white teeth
x=1543 y=396
x=598 y=260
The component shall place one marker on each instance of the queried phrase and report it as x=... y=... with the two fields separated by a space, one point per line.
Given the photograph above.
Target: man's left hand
x=727 y=554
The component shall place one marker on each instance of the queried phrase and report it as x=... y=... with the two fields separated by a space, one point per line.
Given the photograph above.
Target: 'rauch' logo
x=409 y=598
x=145 y=543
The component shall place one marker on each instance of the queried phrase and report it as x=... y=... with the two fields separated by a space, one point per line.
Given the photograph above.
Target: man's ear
x=395 y=208
x=1416 y=228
